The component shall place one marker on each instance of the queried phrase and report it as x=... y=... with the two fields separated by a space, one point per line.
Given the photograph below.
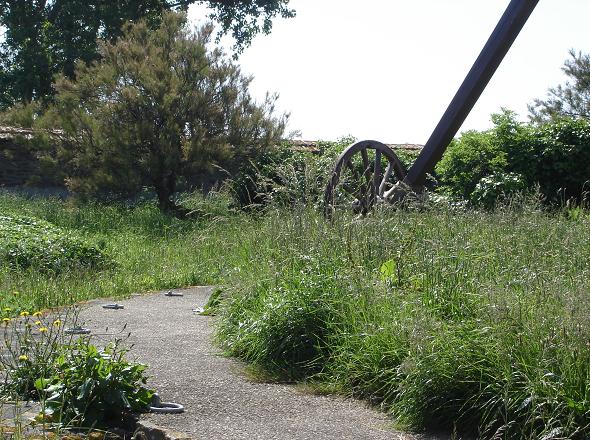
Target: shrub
x=563 y=159
x=250 y=186
x=27 y=242
x=160 y=106
x=511 y=156
x=496 y=187
x=477 y=155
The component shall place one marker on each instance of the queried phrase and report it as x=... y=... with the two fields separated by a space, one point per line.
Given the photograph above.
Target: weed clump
x=78 y=384
x=286 y=330
x=27 y=242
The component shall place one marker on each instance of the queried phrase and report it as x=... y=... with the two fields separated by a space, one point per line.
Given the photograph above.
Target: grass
x=448 y=320
x=150 y=252
x=478 y=321
x=28 y=242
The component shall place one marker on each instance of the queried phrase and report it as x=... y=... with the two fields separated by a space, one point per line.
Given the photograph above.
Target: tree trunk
x=165 y=188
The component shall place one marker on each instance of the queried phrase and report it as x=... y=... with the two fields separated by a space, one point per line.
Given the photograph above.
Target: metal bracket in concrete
x=171 y=293
x=167 y=408
x=77 y=331
x=113 y=306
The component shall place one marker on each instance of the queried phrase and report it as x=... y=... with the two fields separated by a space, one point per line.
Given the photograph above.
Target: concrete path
x=221 y=403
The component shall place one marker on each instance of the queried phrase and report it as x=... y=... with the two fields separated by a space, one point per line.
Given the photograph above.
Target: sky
x=387 y=69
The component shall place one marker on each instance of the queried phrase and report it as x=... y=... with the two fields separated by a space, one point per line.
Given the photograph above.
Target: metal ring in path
x=167 y=408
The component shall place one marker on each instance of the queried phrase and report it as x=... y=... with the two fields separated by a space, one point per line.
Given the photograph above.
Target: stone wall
x=17 y=164
x=20 y=167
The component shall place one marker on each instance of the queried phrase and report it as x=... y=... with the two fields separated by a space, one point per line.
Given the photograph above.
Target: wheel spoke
x=349 y=189
x=376 y=174
x=353 y=170
x=386 y=177
x=350 y=186
x=367 y=195
x=366 y=166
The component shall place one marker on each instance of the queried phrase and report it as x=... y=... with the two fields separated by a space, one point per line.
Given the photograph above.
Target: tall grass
x=471 y=321
x=475 y=321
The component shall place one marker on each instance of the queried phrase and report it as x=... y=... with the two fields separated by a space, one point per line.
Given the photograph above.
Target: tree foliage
x=159 y=106
x=571 y=99
x=44 y=37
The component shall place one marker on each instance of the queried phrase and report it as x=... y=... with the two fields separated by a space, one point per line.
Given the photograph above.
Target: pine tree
x=571 y=99
x=160 y=104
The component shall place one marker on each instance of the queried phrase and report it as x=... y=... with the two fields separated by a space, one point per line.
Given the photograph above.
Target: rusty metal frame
x=494 y=51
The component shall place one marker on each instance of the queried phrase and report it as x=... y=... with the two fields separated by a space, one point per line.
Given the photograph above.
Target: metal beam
x=477 y=79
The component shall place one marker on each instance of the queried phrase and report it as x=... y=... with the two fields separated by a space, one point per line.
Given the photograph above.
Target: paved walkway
x=220 y=402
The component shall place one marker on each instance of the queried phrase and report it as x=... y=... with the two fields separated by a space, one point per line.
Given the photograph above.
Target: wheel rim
x=362 y=175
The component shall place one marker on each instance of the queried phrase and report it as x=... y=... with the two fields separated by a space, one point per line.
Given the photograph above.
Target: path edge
x=146 y=430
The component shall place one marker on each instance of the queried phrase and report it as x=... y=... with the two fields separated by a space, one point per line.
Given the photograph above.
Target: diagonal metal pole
x=477 y=79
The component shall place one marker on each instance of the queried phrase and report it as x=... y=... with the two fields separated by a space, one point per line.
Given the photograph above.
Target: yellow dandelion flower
x=43 y=329
x=7 y=309
x=36 y=314
x=24 y=314
x=5 y=321
x=38 y=323
x=57 y=323
x=23 y=357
